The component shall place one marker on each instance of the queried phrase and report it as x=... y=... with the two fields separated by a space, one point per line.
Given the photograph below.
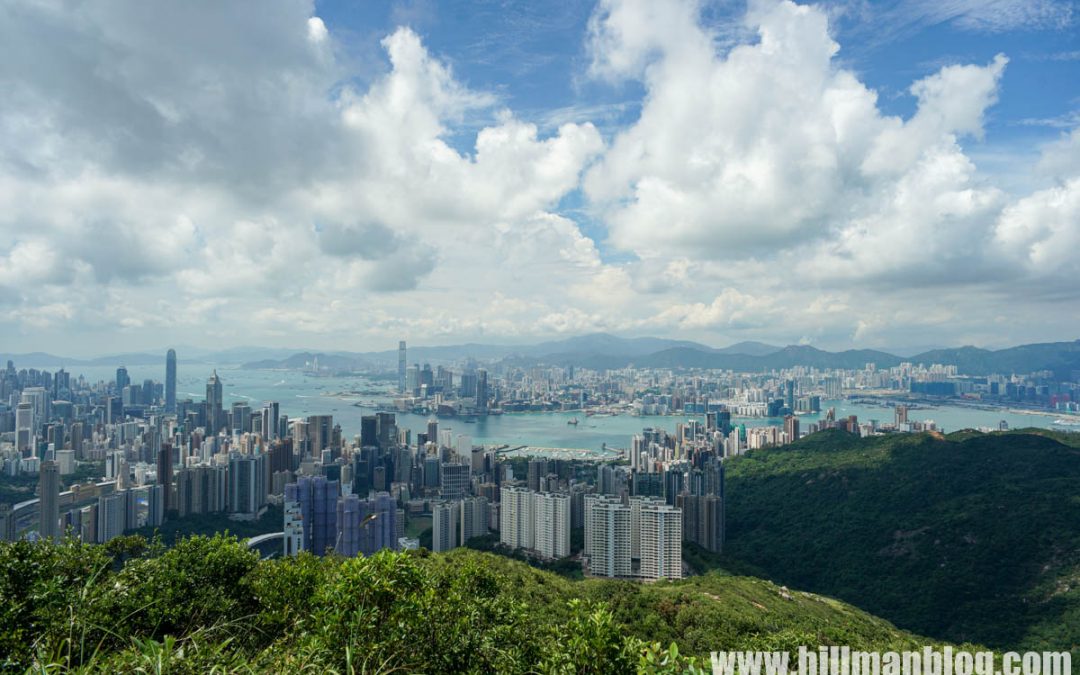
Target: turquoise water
x=300 y=395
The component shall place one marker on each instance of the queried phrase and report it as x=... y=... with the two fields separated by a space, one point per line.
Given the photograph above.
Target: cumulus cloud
x=206 y=171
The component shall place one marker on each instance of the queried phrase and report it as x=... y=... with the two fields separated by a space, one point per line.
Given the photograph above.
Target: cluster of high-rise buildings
x=506 y=388
x=164 y=457
x=320 y=519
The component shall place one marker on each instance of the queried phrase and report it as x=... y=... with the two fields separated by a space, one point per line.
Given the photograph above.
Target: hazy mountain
x=605 y=351
x=1060 y=357
x=750 y=348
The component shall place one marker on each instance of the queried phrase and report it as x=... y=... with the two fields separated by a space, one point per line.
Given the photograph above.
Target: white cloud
x=201 y=172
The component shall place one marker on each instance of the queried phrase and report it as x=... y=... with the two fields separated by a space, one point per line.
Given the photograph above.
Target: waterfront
x=301 y=394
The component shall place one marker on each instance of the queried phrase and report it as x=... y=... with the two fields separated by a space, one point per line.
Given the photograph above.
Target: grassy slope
x=701 y=614
x=974 y=539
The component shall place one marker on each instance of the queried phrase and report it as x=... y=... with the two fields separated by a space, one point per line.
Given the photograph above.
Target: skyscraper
x=316 y=498
x=401 y=367
x=516 y=517
x=607 y=536
x=49 y=505
x=661 y=541
x=215 y=416
x=170 y=381
x=551 y=527
x=445 y=524
x=122 y=379
x=24 y=428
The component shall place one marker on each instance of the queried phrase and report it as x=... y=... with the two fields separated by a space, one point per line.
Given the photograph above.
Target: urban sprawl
x=110 y=457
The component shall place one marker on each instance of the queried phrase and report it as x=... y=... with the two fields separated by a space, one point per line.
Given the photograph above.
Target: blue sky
x=342 y=175
x=534 y=57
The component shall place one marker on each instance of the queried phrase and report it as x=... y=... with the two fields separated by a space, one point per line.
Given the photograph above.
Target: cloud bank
x=200 y=172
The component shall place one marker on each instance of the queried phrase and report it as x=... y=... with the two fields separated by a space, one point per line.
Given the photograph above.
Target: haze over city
x=330 y=175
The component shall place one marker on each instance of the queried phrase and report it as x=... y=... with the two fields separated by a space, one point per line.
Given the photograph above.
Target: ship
x=573 y=421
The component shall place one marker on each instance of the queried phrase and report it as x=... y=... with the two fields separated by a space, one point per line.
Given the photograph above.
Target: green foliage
x=974 y=537
x=590 y=642
x=209 y=604
x=209 y=524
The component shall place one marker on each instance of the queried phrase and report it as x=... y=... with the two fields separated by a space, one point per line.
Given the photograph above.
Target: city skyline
x=846 y=174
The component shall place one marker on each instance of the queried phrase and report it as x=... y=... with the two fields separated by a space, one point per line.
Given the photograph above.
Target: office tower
x=241 y=417
x=49 y=504
x=281 y=455
x=170 y=381
x=271 y=418
x=319 y=431
x=445 y=526
x=637 y=449
x=433 y=431
x=412 y=379
x=215 y=415
x=385 y=429
x=165 y=473
x=122 y=379
x=551 y=524
x=538 y=468
x=77 y=440
x=791 y=428
x=369 y=436
x=482 y=393
x=607 y=536
x=426 y=379
x=661 y=541
x=432 y=467
x=453 y=481
x=516 y=517
x=315 y=498
x=647 y=484
x=789 y=394
x=401 y=367
x=723 y=421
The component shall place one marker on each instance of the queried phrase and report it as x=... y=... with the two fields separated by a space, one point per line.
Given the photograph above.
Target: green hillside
x=968 y=538
x=210 y=604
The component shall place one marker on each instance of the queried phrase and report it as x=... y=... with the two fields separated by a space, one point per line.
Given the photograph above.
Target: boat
x=573 y=421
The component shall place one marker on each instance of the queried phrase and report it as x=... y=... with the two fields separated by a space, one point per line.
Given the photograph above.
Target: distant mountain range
x=604 y=351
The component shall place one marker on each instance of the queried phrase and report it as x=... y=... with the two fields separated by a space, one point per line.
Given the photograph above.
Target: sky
x=341 y=175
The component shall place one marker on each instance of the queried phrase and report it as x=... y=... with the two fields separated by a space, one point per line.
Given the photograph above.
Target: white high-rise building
x=551 y=524
x=661 y=541
x=635 y=522
x=473 y=521
x=445 y=522
x=516 y=517
x=607 y=536
x=24 y=427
